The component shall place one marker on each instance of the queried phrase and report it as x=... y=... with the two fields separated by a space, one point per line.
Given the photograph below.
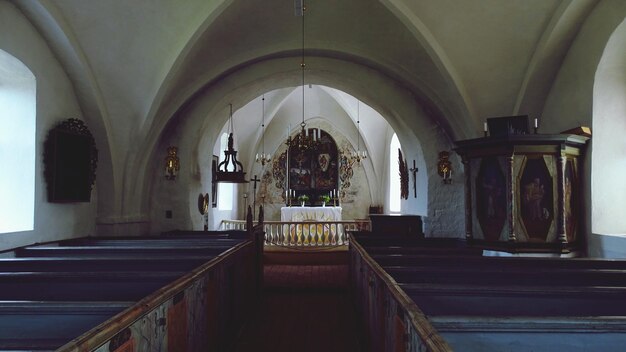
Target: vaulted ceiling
x=136 y=64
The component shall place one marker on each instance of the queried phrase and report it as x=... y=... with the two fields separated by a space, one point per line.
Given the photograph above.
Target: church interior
x=366 y=144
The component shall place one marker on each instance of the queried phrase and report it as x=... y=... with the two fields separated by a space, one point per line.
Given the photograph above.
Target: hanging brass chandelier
x=358 y=155
x=230 y=170
x=263 y=158
x=304 y=141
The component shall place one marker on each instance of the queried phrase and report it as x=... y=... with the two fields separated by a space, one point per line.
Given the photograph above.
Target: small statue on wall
x=404 y=176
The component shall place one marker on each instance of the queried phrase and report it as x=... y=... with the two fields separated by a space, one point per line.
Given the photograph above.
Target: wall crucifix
x=255 y=180
x=414 y=170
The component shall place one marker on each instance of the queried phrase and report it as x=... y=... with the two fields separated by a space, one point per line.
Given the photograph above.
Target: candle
x=485 y=127
x=536 y=120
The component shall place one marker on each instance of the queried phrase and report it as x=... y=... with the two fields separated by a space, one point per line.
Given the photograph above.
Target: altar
x=315 y=232
x=310 y=214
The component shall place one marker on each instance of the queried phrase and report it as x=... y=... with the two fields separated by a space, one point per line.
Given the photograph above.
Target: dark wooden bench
x=134 y=251
x=503 y=303
x=537 y=334
x=77 y=264
x=82 y=286
x=48 y=325
x=53 y=293
x=157 y=242
x=420 y=250
x=480 y=263
x=508 y=276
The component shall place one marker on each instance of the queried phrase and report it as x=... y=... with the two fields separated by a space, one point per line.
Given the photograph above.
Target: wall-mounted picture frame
x=214 y=162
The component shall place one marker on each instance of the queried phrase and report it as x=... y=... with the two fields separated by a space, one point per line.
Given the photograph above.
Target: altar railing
x=304 y=233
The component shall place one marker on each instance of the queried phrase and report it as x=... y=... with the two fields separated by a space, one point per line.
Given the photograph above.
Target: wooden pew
x=503 y=301
x=419 y=250
x=480 y=263
x=496 y=303
x=537 y=334
x=495 y=276
x=48 y=325
x=151 y=242
x=78 y=264
x=201 y=311
x=82 y=286
x=44 y=290
x=120 y=251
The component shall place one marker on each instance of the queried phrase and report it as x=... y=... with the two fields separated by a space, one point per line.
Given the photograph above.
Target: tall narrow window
x=394 y=177
x=17 y=145
x=225 y=190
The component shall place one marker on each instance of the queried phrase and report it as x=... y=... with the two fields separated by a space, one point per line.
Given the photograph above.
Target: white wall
x=608 y=188
x=56 y=101
x=571 y=99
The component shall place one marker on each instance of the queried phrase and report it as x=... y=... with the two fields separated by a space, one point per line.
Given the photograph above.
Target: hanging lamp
x=358 y=155
x=263 y=158
x=230 y=170
x=304 y=141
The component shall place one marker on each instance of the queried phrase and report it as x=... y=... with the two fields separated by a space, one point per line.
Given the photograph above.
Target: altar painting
x=314 y=172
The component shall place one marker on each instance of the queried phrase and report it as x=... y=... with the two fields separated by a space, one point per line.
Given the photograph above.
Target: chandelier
x=304 y=141
x=358 y=155
x=230 y=170
x=263 y=158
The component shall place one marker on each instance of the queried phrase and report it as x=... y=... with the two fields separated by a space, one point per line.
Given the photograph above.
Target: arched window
x=394 y=179
x=17 y=145
x=225 y=191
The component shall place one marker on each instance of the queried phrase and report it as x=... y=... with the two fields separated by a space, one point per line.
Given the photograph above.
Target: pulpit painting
x=536 y=199
x=314 y=172
x=571 y=200
x=491 y=198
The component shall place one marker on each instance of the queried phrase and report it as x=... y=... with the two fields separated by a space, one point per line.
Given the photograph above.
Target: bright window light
x=17 y=145
x=394 y=179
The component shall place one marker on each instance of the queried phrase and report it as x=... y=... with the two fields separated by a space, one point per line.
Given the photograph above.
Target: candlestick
x=485 y=129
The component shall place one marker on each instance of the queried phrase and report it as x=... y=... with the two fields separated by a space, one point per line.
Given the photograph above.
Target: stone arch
x=196 y=126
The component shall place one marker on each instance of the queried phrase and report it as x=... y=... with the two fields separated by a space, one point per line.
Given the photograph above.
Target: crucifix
x=414 y=172
x=255 y=180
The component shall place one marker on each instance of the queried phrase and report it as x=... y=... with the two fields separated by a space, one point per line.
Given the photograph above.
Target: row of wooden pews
x=446 y=296
x=181 y=291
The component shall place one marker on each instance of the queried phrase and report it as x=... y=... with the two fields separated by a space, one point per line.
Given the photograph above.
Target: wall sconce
x=444 y=167
x=172 y=163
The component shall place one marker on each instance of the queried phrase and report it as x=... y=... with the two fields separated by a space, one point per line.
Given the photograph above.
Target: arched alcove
x=608 y=189
x=195 y=129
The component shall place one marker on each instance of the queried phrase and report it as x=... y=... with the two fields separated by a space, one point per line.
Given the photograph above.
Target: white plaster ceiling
x=136 y=64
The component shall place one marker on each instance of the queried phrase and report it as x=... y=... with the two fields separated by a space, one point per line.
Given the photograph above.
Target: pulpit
x=523 y=192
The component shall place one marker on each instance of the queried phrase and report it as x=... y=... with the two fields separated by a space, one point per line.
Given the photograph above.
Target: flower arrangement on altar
x=325 y=198
x=303 y=198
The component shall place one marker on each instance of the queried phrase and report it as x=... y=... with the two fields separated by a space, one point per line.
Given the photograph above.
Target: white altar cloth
x=310 y=214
